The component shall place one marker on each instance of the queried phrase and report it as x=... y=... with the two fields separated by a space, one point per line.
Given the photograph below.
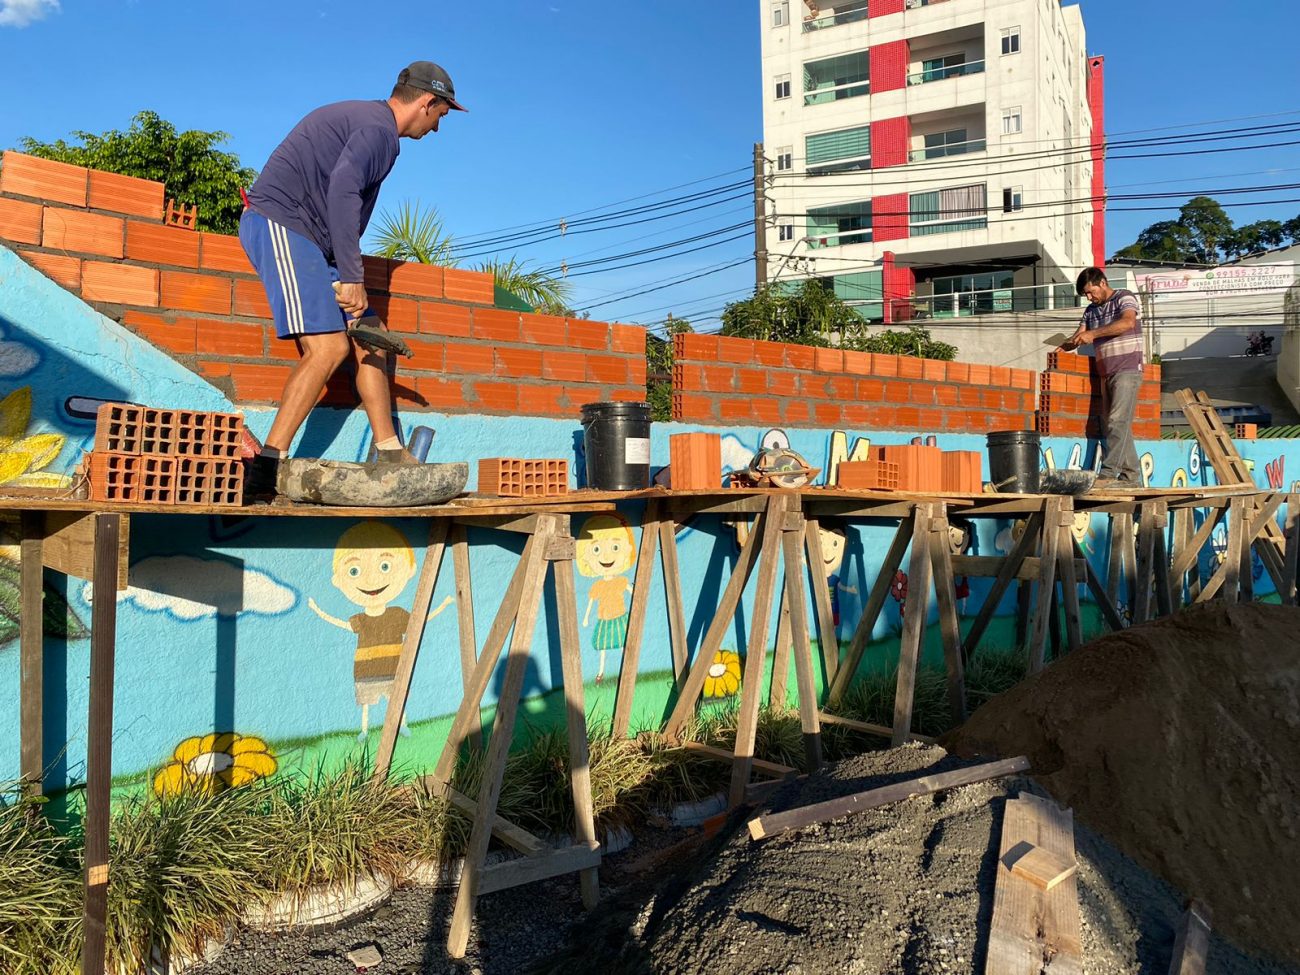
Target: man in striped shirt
x=1112 y=324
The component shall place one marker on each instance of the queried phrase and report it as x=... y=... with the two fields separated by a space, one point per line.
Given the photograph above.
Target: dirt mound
x=1180 y=742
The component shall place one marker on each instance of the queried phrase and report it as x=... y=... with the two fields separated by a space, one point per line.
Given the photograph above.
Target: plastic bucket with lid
x=1013 y=461
x=617 y=443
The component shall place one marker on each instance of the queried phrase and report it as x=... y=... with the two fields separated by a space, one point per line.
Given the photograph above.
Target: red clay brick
x=969 y=396
x=222 y=252
x=250 y=300
x=499 y=397
x=44 y=179
x=1000 y=376
x=542 y=400
x=765 y=410
x=734 y=350
x=63 y=271
x=718 y=379
x=588 y=335
x=782 y=383
x=751 y=381
x=20 y=221
x=81 y=232
x=882 y=417
x=257 y=383
x=931 y=420
x=870 y=390
x=153 y=243
x=855 y=414
x=565 y=366
x=957 y=372
x=278 y=348
x=898 y=392
x=908 y=417
x=884 y=365
x=494 y=325
x=607 y=369
x=690 y=346
x=543 y=330
x=178 y=336
x=828 y=360
x=800 y=357
x=857 y=363
x=827 y=414
x=991 y=399
x=797 y=411
x=443 y=319
x=119 y=284
x=125 y=194
x=472 y=286
x=922 y=394
x=945 y=395
x=1023 y=378
x=934 y=370
x=427 y=356
x=812 y=385
x=399 y=314
x=769 y=354
x=409 y=278
x=519 y=362
x=476 y=360
x=441 y=393
x=229 y=338
x=627 y=338
x=196 y=292
x=636 y=370
x=910 y=367
x=687 y=406
x=979 y=374
x=735 y=409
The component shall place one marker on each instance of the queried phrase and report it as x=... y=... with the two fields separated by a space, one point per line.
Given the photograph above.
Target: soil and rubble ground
x=1177 y=740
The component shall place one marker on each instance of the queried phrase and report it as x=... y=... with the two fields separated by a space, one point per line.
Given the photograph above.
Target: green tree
x=192 y=167
x=915 y=341
x=1209 y=225
x=810 y=314
x=1166 y=240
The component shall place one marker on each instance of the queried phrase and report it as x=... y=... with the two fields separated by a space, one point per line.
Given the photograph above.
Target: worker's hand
x=1072 y=343
x=1084 y=339
x=352 y=298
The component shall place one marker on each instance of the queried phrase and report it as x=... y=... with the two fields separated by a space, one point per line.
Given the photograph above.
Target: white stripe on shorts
x=288 y=279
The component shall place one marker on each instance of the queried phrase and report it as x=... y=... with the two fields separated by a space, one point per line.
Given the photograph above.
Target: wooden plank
x=988 y=566
x=584 y=819
x=1292 y=559
x=1160 y=564
x=949 y=624
x=780 y=656
x=70 y=543
x=1050 y=542
x=868 y=728
x=459 y=538
x=1237 y=514
x=916 y=609
x=722 y=755
x=693 y=685
x=765 y=827
x=797 y=609
x=1108 y=610
x=515 y=837
x=751 y=682
x=1066 y=569
x=502 y=732
x=627 y=671
x=31 y=650
x=827 y=639
x=1188 y=555
x=1010 y=569
x=99 y=742
x=543 y=866
x=1192 y=942
x=1034 y=932
x=1115 y=561
x=1042 y=868
x=1145 y=574
x=1270 y=555
x=875 y=602
x=286 y=509
x=420 y=603
x=673 y=596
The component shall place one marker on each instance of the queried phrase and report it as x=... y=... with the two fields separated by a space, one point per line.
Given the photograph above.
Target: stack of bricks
x=144 y=455
x=695 y=460
x=719 y=379
x=920 y=466
x=514 y=477
x=1069 y=402
x=112 y=240
x=868 y=475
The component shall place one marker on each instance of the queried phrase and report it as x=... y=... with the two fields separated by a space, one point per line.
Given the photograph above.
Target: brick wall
x=890 y=143
x=729 y=380
x=1070 y=399
x=195 y=296
x=888 y=72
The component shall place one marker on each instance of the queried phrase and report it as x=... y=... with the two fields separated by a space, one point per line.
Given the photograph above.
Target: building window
x=1011 y=40
x=1012 y=124
x=830 y=80
x=841 y=151
x=783 y=86
x=941 y=211
x=1011 y=199
x=845 y=223
x=781 y=13
x=785 y=231
x=784 y=159
x=950 y=143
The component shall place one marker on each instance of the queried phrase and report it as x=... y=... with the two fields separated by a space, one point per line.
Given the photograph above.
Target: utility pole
x=760 y=219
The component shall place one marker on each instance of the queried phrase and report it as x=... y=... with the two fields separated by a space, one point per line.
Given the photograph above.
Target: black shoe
x=260 y=476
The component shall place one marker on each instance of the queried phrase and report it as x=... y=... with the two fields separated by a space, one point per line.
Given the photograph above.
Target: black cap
x=430 y=77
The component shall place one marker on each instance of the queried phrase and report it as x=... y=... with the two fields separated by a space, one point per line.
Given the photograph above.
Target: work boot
x=260 y=476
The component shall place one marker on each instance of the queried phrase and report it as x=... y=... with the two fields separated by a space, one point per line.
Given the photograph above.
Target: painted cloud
x=211 y=587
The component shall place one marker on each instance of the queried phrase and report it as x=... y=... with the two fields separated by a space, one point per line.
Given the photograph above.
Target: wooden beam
x=543 y=866
x=420 y=603
x=916 y=611
x=1051 y=538
x=1009 y=571
x=797 y=608
x=867 y=728
x=99 y=741
x=827 y=639
x=1034 y=931
x=1108 y=610
x=722 y=755
x=513 y=836
x=1145 y=574
x=70 y=542
x=988 y=566
x=631 y=661
x=459 y=537
x=949 y=624
x=1186 y=558
x=31 y=650
x=677 y=634
x=1066 y=570
x=1292 y=558
x=765 y=827
x=781 y=650
x=1192 y=942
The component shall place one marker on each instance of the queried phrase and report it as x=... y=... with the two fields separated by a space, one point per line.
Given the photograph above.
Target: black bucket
x=1013 y=461
x=617 y=445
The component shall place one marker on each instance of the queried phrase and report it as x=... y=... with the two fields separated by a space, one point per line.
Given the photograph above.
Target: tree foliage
x=811 y=314
x=659 y=360
x=1204 y=234
x=192 y=167
x=915 y=341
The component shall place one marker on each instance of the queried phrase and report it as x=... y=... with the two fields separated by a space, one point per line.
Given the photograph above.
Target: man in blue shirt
x=302 y=230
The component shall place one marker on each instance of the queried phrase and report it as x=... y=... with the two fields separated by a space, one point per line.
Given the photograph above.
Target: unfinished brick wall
x=194 y=295
x=728 y=380
x=1069 y=403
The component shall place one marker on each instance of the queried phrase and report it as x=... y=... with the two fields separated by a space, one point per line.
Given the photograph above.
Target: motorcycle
x=1257 y=343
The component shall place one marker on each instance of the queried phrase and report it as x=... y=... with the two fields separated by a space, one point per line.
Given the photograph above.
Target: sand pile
x=1180 y=742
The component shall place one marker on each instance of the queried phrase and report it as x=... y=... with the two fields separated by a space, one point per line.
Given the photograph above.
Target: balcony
x=939 y=73
x=845 y=13
x=951 y=149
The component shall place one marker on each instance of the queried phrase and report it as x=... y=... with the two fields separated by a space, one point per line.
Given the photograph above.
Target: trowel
x=369 y=331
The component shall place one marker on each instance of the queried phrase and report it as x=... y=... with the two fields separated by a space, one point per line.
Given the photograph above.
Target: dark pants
x=1119 y=396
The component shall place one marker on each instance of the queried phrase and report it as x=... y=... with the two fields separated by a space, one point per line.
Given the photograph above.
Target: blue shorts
x=299 y=282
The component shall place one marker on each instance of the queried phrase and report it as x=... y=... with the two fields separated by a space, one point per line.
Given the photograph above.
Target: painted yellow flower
x=213 y=763
x=21 y=456
x=723 y=678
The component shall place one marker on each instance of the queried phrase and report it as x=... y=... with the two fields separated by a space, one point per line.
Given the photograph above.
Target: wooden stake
x=31 y=650
x=1145 y=573
x=915 y=611
x=1192 y=942
x=420 y=603
x=781 y=655
x=673 y=594
x=459 y=538
x=949 y=624
x=826 y=636
x=1108 y=610
x=1046 y=582
x=1010 y=568
x=797 y=611
x=1069 y=580
x=645 y=563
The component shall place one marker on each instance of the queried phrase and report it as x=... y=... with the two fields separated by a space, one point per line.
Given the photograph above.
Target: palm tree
x=416 y=234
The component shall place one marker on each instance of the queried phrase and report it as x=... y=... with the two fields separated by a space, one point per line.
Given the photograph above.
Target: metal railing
x=950 y=149
x=947 y=71
x=838 y=239
x=850 y=89
x=845 y=13
x=990 y=301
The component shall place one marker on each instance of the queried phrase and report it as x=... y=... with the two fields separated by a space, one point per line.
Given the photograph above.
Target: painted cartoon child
x=605 y=551
x=372 y=565
x=833 y=544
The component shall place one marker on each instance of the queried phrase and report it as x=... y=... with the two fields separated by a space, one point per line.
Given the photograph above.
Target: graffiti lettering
x=1275 y=469
x=839 y=453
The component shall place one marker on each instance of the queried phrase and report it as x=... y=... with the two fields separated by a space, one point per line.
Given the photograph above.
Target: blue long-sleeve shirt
x=323 y=180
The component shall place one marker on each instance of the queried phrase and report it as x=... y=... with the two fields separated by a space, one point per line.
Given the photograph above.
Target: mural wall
x=257 y=646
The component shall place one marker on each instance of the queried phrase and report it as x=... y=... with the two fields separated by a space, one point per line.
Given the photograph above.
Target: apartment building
x=932 y=158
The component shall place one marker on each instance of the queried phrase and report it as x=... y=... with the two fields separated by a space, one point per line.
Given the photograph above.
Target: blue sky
x=577 y=106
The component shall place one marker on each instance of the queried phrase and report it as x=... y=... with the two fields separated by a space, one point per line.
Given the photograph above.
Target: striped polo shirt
x=1118 y=353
